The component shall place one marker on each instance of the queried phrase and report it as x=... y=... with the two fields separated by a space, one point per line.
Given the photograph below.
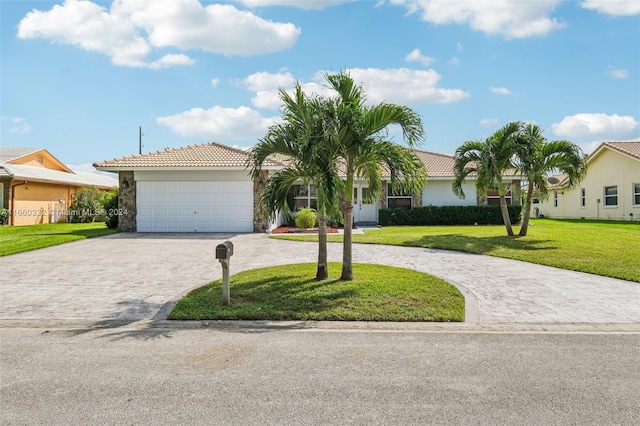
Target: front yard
x=604 y=248
x=290 y=292
x=16 y=239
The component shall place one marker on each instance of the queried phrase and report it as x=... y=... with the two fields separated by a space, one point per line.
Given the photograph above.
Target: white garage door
x=219 y=206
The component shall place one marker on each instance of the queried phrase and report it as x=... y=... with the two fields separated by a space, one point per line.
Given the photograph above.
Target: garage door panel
x=215 y=206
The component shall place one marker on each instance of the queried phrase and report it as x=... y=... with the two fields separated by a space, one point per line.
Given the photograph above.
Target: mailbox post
x=224 y=252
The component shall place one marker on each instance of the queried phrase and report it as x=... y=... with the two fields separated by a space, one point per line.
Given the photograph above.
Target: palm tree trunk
x=505 y=211
x=527 y=211
x=322 y=272
x=347 y=256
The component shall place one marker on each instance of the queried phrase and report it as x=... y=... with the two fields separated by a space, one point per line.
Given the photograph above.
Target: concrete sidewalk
x=131 y=277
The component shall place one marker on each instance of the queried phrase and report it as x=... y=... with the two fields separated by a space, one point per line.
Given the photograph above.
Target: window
x=636 y=194
x=555 y=198
x=303 y=196
x=398 y=199
x=583 y=197
x=1 y=195
x=493 y=198
x=611 y=196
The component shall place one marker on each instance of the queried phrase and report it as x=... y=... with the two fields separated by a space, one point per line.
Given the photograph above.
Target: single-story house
x=37 y=188
x=207 y=188
x=610 y=190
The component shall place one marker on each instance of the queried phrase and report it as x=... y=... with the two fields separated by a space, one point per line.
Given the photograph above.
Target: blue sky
x=79 y=77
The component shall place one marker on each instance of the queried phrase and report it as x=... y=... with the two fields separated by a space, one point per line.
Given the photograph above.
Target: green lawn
x=599 y=247
x=378 y=293
x=16 y=239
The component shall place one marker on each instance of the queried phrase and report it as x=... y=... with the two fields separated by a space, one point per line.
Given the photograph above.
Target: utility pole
x=140 y=139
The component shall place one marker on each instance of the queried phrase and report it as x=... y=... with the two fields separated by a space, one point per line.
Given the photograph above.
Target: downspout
x=13 y=194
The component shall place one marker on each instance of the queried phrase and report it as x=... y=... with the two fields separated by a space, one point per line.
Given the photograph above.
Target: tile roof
x=214 y=154
x=210 y=154
x=437 y=165
x=630 y=148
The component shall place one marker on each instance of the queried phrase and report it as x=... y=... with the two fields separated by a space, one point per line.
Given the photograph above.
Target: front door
x=363 y=213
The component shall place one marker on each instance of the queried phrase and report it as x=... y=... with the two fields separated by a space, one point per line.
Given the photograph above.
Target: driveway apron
x=130 y=277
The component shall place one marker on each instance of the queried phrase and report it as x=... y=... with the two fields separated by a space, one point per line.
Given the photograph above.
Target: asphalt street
x=288 y=376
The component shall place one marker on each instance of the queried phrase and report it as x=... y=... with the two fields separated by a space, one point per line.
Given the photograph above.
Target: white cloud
x=266 y=87
x=170 y=60
x=489 y=122
x=416 y=56
x=134 y=29
x=215 y=82
x=509 y=18
x=302 y=4
x=89 y=26
x=613 y=7
x=595 y=125
x=18 y=124
x=500 y=91
x=620 y=74
x=262 y=81
x=454 y=61
x=405 y=86
x=400 y=85
x=219 y=123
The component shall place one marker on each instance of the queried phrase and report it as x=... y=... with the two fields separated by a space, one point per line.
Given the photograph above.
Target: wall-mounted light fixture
x=125 y=183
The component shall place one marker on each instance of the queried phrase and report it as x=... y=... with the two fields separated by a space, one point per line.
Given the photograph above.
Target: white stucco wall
x=439 y=193
x=607 y=169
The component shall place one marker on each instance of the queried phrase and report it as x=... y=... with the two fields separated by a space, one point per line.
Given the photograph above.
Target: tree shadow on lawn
x=86 y=233
x=479 y=245
x=279 y=298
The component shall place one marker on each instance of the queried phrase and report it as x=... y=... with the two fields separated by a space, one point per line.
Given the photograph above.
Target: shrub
x=86 y=205
x=110 y=204
x=447 y=215
x=306 y=218
x=4 y=216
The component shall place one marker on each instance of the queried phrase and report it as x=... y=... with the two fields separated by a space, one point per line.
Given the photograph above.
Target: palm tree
x=358 y=133
x=537 y=157
x=489 y=160
x=298 y=141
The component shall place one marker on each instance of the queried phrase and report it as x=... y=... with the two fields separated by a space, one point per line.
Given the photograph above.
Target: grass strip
x=606 y=248
x=17 y=239
x=290 y=292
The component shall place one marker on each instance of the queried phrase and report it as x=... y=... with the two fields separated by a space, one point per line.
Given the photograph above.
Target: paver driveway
x=130 y=277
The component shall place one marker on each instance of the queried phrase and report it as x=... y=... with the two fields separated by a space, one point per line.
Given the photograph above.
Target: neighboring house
x=610 y=190
x=207 y=188
x=37 y=188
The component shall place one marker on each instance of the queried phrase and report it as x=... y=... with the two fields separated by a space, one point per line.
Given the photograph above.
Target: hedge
x=447 y=215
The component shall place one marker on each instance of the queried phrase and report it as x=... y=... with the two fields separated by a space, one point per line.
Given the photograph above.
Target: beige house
x=610 y=191
x=36 y=187
x=207 y=188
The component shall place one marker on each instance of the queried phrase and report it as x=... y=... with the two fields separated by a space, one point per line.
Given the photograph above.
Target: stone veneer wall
x=516 y=191
x=417 y=199
x=127 y=201
x=383 y=195
x=260 y=221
